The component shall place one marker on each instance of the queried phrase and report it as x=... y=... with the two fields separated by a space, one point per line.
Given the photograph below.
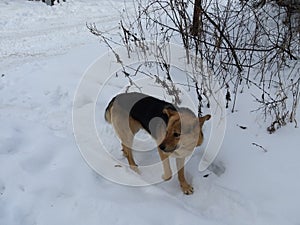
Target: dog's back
x=125 y=101
x=141 y=107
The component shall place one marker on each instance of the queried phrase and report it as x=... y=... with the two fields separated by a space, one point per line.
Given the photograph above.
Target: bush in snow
x=243 y=43
x=49 y=2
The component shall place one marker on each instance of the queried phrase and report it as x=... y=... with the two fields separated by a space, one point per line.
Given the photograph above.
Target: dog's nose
x=162 y=146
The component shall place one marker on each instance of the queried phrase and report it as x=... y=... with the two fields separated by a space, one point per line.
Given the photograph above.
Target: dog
x=176 y=130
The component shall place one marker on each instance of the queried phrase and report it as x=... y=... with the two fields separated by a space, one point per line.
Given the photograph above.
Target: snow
x=44 y=51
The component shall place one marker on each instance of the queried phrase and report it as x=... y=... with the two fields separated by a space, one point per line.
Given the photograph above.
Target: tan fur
x=183 y=123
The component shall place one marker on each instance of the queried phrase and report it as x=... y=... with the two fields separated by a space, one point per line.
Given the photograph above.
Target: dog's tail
x=107 y=114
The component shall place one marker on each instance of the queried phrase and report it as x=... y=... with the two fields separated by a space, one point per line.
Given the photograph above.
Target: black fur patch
x=144 y=108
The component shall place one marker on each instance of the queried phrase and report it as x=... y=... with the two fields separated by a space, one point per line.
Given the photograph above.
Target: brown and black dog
x=177 y=131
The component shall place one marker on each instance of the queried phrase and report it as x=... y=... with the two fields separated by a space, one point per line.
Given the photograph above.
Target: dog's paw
x=187 y=189
x=166 y=177
x=135 y=169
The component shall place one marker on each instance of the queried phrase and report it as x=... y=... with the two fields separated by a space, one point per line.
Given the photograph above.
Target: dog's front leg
x=166 y=165
x=185 y=187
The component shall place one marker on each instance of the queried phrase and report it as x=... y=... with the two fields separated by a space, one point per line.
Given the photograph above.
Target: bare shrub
x=49 y=2
x=244 y=44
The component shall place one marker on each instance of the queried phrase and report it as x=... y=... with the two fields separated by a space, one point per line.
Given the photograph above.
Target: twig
x=261 y=147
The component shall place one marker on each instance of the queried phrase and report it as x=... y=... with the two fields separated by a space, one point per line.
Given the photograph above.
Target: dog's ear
x=169 y=111
x=203 y=119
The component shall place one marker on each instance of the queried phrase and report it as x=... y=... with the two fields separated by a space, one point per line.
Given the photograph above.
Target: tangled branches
x=243 y=44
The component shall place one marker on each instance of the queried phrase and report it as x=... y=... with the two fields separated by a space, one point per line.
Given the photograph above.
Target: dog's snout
x=162 y=146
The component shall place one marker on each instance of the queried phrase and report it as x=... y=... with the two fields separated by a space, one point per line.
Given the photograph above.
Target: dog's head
x=183 y=131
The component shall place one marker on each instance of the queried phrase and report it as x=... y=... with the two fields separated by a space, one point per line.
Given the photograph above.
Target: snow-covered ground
x=44 y=51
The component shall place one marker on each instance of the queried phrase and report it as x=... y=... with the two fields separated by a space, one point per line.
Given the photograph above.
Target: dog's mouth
x=168 y=149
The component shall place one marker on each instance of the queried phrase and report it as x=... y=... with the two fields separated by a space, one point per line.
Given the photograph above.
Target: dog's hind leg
x=127 y=151
x=125 y=128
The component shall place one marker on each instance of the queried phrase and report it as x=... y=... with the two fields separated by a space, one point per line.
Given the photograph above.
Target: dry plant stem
x=242 y=44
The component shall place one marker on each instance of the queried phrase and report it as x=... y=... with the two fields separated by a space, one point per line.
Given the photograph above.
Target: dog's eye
x=176 y=134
